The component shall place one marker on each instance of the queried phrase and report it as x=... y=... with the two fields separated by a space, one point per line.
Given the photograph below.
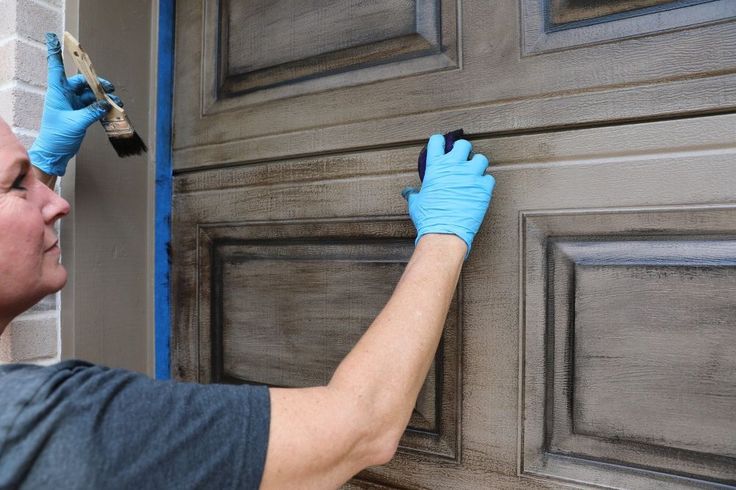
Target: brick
x=34 y=20
x=30 y=336
x=25 y=140
x=6 y=105
x=30 y=64
x=53 y=3
x=7 y=61
x=46 y=304
x=7 y=19
x=21 y=107
x=22 y=61
x=28 y=108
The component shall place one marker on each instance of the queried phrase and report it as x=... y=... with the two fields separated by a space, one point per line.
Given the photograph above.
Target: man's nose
x=55 y=207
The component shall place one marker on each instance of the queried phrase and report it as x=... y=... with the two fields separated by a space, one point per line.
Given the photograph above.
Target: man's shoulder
x=21 y=384
x=23 y=369
x=19 y=379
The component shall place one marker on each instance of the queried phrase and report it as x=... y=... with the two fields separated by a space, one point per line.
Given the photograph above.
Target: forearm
x=48 y=180
x=387 y=367
x=320 y=437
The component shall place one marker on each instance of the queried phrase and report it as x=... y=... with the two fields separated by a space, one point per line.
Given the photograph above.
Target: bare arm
x=322 y=436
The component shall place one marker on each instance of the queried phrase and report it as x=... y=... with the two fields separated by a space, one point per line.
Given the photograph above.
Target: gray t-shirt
x=78 y=425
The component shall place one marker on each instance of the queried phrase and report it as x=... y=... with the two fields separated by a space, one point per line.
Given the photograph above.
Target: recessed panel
x=654 y=354
x=287 y=303
x=263 y=44
x=290 y=322
x=551 y=25
x=567 y=11
x=630 y=359
x=256 y=29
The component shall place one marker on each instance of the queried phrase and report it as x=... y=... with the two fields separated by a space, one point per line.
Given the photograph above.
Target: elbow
x=385 y=449
x=383 y=436
x=375 y=433
x=374 y=422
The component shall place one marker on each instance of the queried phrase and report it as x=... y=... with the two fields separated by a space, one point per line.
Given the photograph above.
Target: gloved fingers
x=490 y=182
x=478 y=164
x=92 y=113
x=56 y=75
x=461 y=150
x=116 y=99
x=79 y=84
x=435 y=147
x=87 y=97
x=408 y=193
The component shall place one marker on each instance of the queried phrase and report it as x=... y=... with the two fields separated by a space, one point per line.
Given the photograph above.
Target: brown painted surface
x=289 y=233
x=563 y=11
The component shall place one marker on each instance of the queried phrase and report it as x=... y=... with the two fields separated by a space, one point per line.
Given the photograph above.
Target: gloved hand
x=69 y=109
x=455 y=193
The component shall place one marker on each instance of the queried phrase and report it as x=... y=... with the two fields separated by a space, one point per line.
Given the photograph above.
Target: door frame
x=111 y=271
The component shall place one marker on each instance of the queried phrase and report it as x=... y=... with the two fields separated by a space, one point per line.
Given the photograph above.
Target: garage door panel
x=591 y=191
x=470 y=70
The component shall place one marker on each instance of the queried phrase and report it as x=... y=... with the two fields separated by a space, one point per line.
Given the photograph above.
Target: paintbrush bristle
x=122 y=135
x=128 y=145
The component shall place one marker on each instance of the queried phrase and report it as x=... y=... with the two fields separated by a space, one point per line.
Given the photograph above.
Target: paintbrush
x=116 y=123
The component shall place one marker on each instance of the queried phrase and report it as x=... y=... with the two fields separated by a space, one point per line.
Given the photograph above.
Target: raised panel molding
x=630 y=326
x=552 y=25
x=281 y=304
x=359 y=42
x=567 y=14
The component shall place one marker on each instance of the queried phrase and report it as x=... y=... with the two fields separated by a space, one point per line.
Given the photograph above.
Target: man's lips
x=52 y=246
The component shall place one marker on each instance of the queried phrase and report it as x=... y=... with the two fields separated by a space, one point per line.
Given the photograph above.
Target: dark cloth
x=78 y=425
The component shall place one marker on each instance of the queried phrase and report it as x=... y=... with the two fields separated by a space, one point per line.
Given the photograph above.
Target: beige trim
x=107 y=305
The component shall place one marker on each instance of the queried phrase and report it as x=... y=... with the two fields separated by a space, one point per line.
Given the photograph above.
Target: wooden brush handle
x=84 y=64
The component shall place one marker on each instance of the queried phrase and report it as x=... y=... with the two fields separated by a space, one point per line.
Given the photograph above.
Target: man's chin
x=64 y=276
x=56 y=280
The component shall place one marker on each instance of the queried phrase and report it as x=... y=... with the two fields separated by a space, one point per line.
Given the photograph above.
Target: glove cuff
x=49 y=163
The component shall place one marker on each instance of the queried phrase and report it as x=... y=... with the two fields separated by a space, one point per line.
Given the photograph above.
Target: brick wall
x=34 y=336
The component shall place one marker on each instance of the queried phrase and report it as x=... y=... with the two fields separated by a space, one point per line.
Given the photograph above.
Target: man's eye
x=18 y=181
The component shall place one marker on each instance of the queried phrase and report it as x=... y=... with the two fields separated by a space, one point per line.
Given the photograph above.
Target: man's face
x=29 y=250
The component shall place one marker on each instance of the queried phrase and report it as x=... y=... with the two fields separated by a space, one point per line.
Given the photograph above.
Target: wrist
x=452 y=246
x=49 y=162
x=463 y=236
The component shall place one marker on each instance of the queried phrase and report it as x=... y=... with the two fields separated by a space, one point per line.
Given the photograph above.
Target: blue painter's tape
x=162 y=287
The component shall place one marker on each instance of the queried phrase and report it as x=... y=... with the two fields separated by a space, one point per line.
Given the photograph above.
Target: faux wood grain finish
x=682 y=169
x=481 y=81
x=281 y=304
x=567 y=11
x=287 y=189
x=257 y=28
x=629 y=344
x=653 y=345
x=248 y=59
x=254 y=54
x=552 y=25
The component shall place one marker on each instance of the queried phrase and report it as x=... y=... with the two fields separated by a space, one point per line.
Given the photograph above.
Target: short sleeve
x=89 y=426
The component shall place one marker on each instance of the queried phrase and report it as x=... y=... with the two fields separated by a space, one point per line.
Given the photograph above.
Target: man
x=77 y=425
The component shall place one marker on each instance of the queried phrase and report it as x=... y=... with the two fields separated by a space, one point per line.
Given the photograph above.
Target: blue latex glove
x=69 y=109
x=455 y=194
